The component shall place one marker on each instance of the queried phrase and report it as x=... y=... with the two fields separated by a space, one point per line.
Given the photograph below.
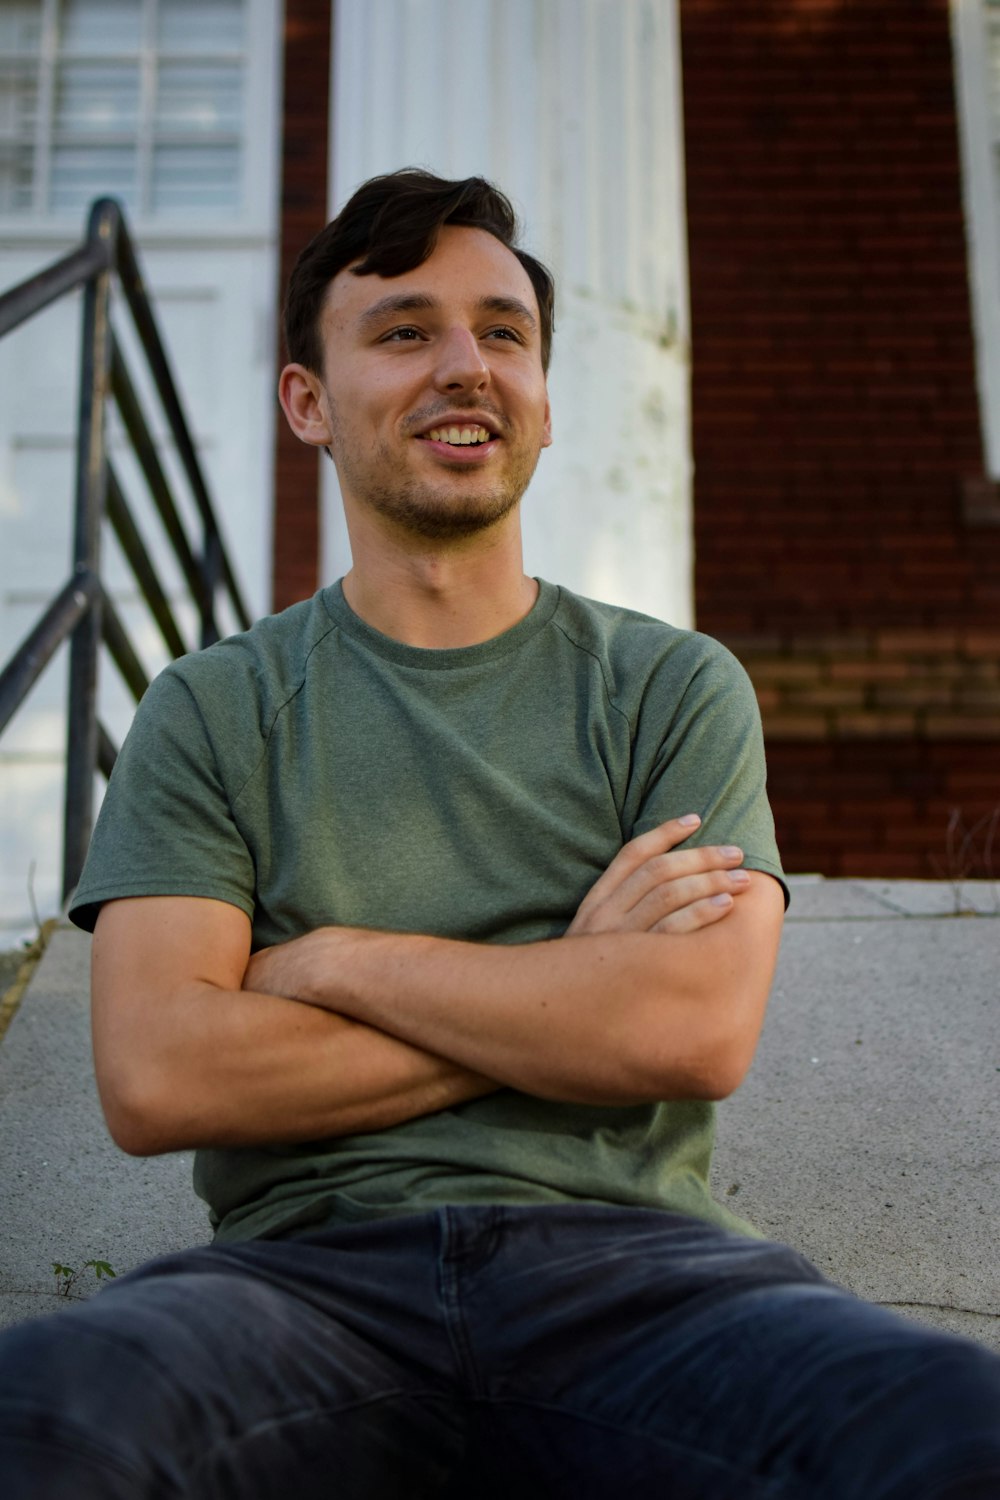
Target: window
x=976 y=33
x=140 y=99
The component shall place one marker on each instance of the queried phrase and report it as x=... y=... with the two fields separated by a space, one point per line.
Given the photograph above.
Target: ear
x=303 y=401
x=547 y=428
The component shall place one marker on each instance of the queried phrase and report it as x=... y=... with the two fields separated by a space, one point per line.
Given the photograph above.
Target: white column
x=573 y=108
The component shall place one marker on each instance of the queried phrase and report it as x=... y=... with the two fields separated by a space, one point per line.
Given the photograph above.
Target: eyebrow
x=405 y=302
x=513 y=307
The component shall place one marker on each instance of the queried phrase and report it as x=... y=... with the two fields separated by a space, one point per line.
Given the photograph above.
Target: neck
x=437 y=594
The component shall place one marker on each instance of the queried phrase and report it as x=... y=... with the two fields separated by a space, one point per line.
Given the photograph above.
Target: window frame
x=259 y=137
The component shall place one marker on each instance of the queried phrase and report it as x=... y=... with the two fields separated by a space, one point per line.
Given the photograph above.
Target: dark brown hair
x=389 y=226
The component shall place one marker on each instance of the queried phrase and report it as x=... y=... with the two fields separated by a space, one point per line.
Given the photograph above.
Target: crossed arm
x=657 y=990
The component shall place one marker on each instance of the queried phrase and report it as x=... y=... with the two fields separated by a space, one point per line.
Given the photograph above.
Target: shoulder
x=243 y=681
x=639 y=653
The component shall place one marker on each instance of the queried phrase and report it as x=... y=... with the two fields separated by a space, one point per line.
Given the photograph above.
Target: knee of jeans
x=74 y=1414
x=99 y=1366
x=940 y=1422
x=61 y=1364
x=963 y=1394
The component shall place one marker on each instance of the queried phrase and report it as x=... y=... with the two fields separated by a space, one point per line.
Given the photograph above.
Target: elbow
x=719 y=1075
x=724 y=1062
x=135 y=1134
x=138 y=1124
x=132 y=1137
x=708 y=1063
x=709 y=1077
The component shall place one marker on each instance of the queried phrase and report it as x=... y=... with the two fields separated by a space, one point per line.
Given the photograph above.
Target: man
x=435 y=913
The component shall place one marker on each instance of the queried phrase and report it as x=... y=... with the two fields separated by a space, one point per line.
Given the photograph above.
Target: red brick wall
x=303 y=213
x=907 y=808
x=835 y=421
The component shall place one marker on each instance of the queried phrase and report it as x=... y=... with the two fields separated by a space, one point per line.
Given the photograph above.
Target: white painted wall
x=573 y=108
x=975 y=27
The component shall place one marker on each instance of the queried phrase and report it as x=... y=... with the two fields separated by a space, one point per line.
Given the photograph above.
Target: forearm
x=657 y=991
x=266 y=1069
x=607 y=1018
x=563 y=1020
x=216 y=1066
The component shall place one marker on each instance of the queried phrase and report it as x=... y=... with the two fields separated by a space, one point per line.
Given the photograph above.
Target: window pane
x=199 y=96
x=203 y=26
x=82 y=173
x=101 y=26
x=16 y=192
x=106 y=117
x=20 y=26
x=97 y=97
x=18 y=98
x=202 y=179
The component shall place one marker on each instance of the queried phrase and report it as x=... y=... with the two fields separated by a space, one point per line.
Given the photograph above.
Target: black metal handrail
x=82 y=611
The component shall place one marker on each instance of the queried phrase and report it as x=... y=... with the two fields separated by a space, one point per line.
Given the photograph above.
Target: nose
x=460 y=364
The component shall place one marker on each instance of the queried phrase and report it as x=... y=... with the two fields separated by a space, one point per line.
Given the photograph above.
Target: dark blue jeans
x=563 y=1351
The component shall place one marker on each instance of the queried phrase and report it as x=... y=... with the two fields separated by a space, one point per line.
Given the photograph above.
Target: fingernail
x=739 y=877
x=722 y=900
x=689 y=820
x=730 y=851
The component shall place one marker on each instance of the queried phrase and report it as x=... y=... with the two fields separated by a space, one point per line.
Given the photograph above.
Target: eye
x=404 y=335
x=504 y=333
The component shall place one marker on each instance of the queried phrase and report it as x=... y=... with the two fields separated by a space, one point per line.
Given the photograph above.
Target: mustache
x=428 y=416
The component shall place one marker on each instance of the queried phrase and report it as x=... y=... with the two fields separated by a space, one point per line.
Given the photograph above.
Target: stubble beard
x=438 y=513
x=424 y=511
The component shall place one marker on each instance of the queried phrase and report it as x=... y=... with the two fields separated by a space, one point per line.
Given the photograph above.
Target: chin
x=432 y=516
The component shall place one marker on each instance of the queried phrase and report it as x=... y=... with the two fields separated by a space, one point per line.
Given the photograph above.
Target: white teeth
x=460 y=436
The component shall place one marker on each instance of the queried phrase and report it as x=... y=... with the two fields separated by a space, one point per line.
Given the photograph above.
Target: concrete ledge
x=69 y=1194
x=866 y=1134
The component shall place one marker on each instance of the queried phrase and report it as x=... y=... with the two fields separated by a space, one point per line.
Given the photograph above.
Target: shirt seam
x=579 y=646
x=333 y=627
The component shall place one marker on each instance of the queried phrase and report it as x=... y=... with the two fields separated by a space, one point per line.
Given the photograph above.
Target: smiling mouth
x=458 y=437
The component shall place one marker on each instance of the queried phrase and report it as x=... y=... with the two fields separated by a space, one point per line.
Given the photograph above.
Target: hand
x=281 y=970
x=652 y=886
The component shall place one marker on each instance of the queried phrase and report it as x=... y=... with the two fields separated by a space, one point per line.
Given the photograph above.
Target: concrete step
x=68 y=1194
x=866 y=1134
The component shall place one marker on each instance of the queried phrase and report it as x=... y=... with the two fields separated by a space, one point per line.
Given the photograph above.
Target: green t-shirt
x=313 y=771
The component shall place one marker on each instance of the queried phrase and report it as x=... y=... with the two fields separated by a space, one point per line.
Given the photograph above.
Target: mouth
x=470 y=436
x=461 y=445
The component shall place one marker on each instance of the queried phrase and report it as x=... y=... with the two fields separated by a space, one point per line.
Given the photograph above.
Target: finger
x=637 y=852
x=698 y=915
x=660 y=874
x=667 y=900
x=653 y=883
x=666 y=835
x=643 y=902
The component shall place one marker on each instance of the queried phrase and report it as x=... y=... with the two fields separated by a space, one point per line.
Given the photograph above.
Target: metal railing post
x=82 y=740
x=211 y=578
x=82 y=613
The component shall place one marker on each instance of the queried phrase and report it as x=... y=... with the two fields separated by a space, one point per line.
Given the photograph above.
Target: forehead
x=466 y=267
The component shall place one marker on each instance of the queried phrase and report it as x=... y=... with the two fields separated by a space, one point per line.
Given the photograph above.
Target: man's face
x=434 y=391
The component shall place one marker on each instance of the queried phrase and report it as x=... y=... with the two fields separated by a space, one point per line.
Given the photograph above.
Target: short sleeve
x=166 y=827
x=704 y=753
